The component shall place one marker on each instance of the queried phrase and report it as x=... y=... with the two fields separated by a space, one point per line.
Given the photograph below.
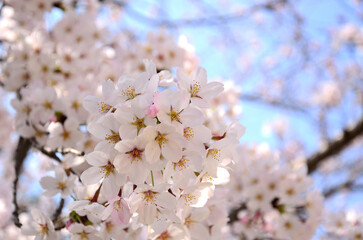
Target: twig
x=58 y=211
x=274 y=103
x=348 y=185
x=233 y=215
x=335 y=147
x=212 y=20
x=52 y=155
x=19 y=157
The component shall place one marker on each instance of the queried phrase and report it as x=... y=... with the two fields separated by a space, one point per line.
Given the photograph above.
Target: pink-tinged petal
x=199 y=102
x=148 y=134
x=200 y=214
x=199 y=75
x=48 y=182
x=196 y=160
x=71 y=124
x=138 y=173
x=153 y=84
x=97 y=158
x=211 y=90
x=54 y=142
x=123 y=215
x=107 y=212
x=122 y=163
x=172 y=150
x=184 y=80
x=92 y=175
x=202 y=134
x=147 y=213
x=110 y=187
x=192 y=116
x=211 y=166
x=166 y=200
x=141 y=82
x=51 y=192
x=164 y=117
x=90 y=103
x=38 y=216
x=124 y=114
x=199 y=231
x=108 y=87
x=152 y=152
x=127 y=131
x=60 y=173
x=151 y=111
x=124 y=145
x=97 y=129
x=28 y=230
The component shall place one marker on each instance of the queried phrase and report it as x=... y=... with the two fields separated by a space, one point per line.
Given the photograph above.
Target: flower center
x=44 y=229
x=113 y=137
x=139 y=123
x=214 y=153
x=164 y=236
x=160 y=138
x=174 y=116
x=103 y=107
x=129 y=93
x=188 y=198
x=66 y=134
x=194 y=89
x=135 y=154
x=107 y=169
x=188 y=133
x=182 y=164
x=149 y=196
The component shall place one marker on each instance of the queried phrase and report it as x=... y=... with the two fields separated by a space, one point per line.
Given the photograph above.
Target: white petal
x=166 y=200
x=122 y=163
x=152 y=152
x=90 y=103
x=97 y=158
x=92 y=175
x=172 y=151
x=48 y=182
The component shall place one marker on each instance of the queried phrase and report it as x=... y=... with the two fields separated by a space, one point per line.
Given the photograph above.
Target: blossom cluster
x=276 y=199
x=140 y=153
x=53 y=70
x=347 y=225
x=156 y=163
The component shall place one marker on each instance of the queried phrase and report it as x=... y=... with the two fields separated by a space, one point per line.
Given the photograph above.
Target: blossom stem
x=152 y=177
x=97 y=193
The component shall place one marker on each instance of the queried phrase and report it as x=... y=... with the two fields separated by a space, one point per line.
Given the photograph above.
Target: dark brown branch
x=233 y=215
x=271 y=5
x=20 y=154
x=274 y=103
x=348 y=185
x=58 y=211
x=335 y=147
x=52 y=155
x=330 y=192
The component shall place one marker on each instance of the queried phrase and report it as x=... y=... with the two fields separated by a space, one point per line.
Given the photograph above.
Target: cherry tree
x=111 y=131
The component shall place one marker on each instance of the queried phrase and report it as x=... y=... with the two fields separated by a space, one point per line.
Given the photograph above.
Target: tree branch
x=19 y=156
x=270 y=5
x=348 y=185
x=58 y=211
x=335 y=147
x=233 y=215
x=273 y=102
